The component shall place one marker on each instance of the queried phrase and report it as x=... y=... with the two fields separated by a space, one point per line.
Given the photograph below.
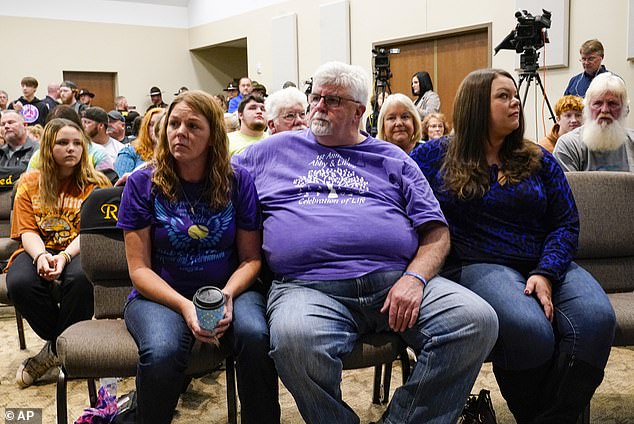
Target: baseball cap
x=155 y=91
x=86 y=92
x=181 y=90
x=259 y=87
x=69 y=84
x=96 y=114
x=115 y=115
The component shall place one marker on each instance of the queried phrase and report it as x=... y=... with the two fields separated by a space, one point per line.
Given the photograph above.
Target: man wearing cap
x=244 y=86
x=67 y=91
x=95 y=121
x=85 y=97
x=259 y=90
x=156 y=96
x=251 y=112
x=116 y=127
x=232 y=91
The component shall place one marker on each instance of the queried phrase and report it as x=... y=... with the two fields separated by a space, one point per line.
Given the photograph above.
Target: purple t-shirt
x=190 y=250
x=337 y=213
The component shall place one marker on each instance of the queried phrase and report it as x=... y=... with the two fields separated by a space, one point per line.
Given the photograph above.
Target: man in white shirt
x=95 y=121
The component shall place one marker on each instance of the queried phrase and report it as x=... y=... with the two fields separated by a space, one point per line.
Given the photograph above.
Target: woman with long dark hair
x=514 y=231
x=427 y=100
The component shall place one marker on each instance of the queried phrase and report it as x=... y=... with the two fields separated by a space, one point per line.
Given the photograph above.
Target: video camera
x=528 y=32
x=382 y=71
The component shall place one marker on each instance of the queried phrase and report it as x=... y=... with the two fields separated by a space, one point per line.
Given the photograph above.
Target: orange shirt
x=57 y=228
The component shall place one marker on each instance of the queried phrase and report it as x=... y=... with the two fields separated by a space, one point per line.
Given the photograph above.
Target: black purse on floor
x=479 y=409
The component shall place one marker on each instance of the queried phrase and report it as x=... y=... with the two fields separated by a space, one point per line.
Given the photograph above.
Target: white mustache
x=320 y=115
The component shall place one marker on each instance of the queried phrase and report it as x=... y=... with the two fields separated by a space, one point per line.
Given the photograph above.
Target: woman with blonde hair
x=399 y=123
x=141 y=150
x=45 y=280
x=191 y=219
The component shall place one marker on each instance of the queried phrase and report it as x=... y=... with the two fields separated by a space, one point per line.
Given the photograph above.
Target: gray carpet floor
x=205 y=399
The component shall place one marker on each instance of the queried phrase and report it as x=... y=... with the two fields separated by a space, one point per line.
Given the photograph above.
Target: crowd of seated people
x=452 y=248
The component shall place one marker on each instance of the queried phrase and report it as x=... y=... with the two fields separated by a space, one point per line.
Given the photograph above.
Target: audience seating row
x=102 y=347
x=606 y=242
x=7 y=247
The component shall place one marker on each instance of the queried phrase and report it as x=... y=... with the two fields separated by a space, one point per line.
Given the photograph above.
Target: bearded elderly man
x=286 y=110
x=355 y=239
x=602 y=143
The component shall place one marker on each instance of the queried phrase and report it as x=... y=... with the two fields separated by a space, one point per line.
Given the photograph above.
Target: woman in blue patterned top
x=514 y=229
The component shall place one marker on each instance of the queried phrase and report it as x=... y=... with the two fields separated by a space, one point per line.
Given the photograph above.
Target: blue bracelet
x=417 y=276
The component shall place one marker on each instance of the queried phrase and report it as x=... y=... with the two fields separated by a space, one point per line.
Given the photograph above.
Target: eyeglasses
x=588 y=59
x=435 y=126
x=330 y=100
x=291 y=116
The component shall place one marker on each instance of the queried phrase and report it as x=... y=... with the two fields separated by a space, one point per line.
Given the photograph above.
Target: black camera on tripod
x=382 y=71
x=528 y=36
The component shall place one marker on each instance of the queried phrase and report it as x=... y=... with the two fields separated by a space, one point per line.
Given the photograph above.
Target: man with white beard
x=602 y=143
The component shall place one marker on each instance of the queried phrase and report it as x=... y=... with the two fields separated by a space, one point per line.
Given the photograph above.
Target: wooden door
x=448 y=58
x=100 y=83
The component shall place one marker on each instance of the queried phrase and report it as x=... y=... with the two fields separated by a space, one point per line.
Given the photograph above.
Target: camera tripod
x=528 y=75
x=381 y=86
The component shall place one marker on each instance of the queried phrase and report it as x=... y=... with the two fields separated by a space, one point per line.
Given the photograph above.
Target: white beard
x=320 y=126
x=603 y=137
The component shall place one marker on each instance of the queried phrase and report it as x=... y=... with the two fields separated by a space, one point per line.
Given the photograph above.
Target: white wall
x=104 y=11
x=374 y=21
x=141 y=56
x=162 y=55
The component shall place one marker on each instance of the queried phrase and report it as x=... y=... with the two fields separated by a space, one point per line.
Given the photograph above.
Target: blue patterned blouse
x=531 y=226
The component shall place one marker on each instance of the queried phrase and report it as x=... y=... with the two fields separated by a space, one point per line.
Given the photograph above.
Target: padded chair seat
x=4 y=294
x=7 y=247
x=373 y=349
x=624 y=310
x=81 y=349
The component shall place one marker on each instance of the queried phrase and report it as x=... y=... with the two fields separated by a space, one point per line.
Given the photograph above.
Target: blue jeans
x=315 y=323
x=584 y=319
x=165 y=343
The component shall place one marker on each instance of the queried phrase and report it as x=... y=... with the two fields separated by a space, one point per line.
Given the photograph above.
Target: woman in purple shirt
x=191 y=220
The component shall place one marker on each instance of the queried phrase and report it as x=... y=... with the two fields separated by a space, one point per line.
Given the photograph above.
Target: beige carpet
x=205 y=400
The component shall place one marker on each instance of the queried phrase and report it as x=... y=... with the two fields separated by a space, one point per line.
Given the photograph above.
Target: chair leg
x=20 y=324
x=405 y=368
x=92 y=392
x=62 y=407
x=232 y=404
x=376 y=391
x=387 y=379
